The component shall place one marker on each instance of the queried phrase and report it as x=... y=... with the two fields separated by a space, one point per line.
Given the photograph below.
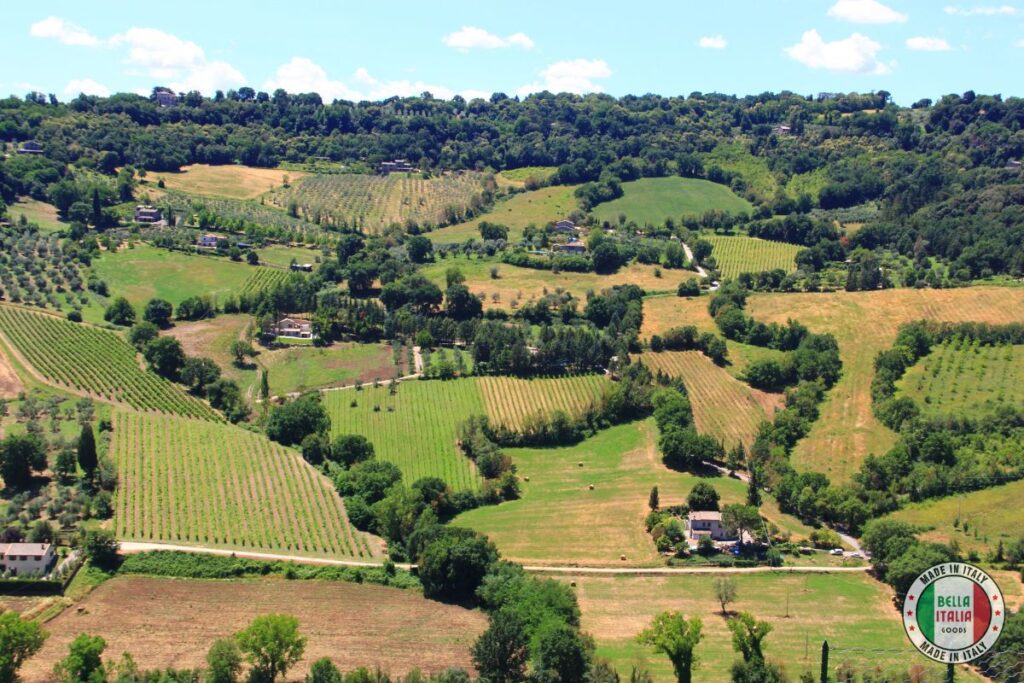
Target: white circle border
x=995 y=599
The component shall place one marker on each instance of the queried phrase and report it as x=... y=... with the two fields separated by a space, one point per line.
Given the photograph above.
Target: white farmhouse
x=26 y=559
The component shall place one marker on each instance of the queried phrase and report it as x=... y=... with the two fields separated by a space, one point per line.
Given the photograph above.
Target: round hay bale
x=572 y=584
x=591 y=487
x=581 y=463
x=526 y=479
x=622 y=557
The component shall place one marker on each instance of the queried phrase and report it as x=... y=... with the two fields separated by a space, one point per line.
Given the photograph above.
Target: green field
x=852 y=611
x=280 y=255
x=560 y=520
x=521 y=175
x=42 y=214
x=977 y=520
x=98 y=362
x=737 y=254
x=301 y=368
x=144 y=272
x=206 y=484
x=539 y=207
x=652 y=200
x=736 y=157
x=965 y=378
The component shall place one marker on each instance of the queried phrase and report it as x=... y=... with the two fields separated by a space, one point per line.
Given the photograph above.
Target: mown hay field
x=737 y=254
x=199 y=483
x=539 y=207
x=723 y=406
x=229 y=182
x=172 y=622
x=374 y=202
x=652 y=200
x=965 y=378
x=93 y=361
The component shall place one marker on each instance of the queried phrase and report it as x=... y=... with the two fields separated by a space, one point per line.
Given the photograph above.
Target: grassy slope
x=539 y=207
x=526 y=284
x=145 y=272
x=229 y=182
x=560 y=520
x=966 y=380
x=652 y=200
x=852 y=611
x=42 y=214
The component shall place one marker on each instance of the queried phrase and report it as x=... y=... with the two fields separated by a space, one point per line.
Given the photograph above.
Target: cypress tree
x=652 y=500
x=264 y=385
x=97 y=209
x=87 y=459
x=753 y=488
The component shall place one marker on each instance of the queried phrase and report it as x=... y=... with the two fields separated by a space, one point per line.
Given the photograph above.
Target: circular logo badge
x=953 y=613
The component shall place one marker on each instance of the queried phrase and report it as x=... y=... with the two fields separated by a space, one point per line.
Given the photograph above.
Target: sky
x=373 y=50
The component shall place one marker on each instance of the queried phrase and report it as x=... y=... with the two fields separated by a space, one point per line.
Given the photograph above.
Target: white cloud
x=982 y=11
x=87 y=86
x=64 y=31
x=302 y=75
x=574 y=76
x=713 y=42
x=866 y=12
x=926 y=44
x=1019 y=43
x=470 y=37
x=177 y=63
x=856 y=54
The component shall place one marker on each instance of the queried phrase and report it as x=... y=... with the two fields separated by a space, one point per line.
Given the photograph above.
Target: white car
x=838 y=552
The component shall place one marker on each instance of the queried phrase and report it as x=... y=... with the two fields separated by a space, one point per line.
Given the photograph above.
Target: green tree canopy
x=676 y=637
x=272 y=645
x=19 y=640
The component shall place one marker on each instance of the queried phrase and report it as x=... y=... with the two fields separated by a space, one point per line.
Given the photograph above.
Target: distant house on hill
x=30 y=147
x=396 y=166
x=782 y=130
x=208 y=241
x=301 y=267
x=26 y=559
x=565 y=226
x=296 y=328
x=571 y=247
x=147 y=214
x=165 y=97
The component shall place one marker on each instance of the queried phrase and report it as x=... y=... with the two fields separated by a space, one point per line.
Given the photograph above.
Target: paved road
x=130 y=547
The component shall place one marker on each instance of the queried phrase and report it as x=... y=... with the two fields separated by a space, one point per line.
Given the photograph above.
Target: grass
x=144 y=272
x=229 y=182
x=740 y=254
x=539 y=207
x=976 y=520
x=736 y=157
x=348 y=622
x=280 y=256
x=96 y=362
x=519 y=176
x=560 y=520
x=42 y=214
x=724 y=407
x=527 y=284
x=301 y=368
x=865 y=323
x=852 y=611
x=652 y=200
x=965 y=378
x=199 y=483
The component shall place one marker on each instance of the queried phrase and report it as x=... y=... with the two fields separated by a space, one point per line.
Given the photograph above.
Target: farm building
x=570 y=247
x=208 y=241
x=26 y=559
x=706 y=523
x=165 y=97
x=147 y=214
x=301 y=267
x=297 y=328
x=782 y=130
x=30 y=147
x=565 y=226
x=396 y=166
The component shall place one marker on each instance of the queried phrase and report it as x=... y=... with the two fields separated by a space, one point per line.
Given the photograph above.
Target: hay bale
x=526 y=479
x=622 y=557
x=591 y=487
x=572 y=584
x=581 y=463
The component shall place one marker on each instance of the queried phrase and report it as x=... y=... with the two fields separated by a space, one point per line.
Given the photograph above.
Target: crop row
x=262 y=279
x=95 y=361
x=509 y=399
x=217 y=485
x=737 y=254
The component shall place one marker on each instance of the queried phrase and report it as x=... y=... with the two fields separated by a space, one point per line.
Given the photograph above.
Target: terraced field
x=739 y=254
x=375 y=202
x=93 y=361
x=722 y=405
x=188 y=482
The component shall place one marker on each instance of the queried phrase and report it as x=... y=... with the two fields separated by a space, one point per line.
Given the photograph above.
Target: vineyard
x=509 y=399
x=723 y=406
x=735 y=255
x=263 y=279
x=415 y=428
x=95 y=361
x=375 y=202
x=201 y=483
x=963 y=377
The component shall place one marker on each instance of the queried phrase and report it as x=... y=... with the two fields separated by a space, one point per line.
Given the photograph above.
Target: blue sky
x=912 y=48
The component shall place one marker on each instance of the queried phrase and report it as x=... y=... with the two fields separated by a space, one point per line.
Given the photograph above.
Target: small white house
x=27 y=559
x=294 y=327
x=706 y=523
x=208 y=241
x=573 y=246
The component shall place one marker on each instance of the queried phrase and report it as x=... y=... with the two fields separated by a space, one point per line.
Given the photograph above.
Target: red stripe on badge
x=982 y=612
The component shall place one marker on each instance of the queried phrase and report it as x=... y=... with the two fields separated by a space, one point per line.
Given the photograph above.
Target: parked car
x=838 y=552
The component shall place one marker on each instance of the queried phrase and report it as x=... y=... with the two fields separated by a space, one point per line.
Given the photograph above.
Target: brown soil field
x=10 y=383
x=231 y=181
x=172 y=622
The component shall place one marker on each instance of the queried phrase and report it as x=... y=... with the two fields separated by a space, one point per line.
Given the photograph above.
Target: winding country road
x=131 y=547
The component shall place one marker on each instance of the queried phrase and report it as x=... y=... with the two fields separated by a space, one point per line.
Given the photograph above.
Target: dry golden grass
x=865 y=323
x=665 y=312
x=10 y=384
x=231 y=182
x=172 y=622
x=723 y=406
